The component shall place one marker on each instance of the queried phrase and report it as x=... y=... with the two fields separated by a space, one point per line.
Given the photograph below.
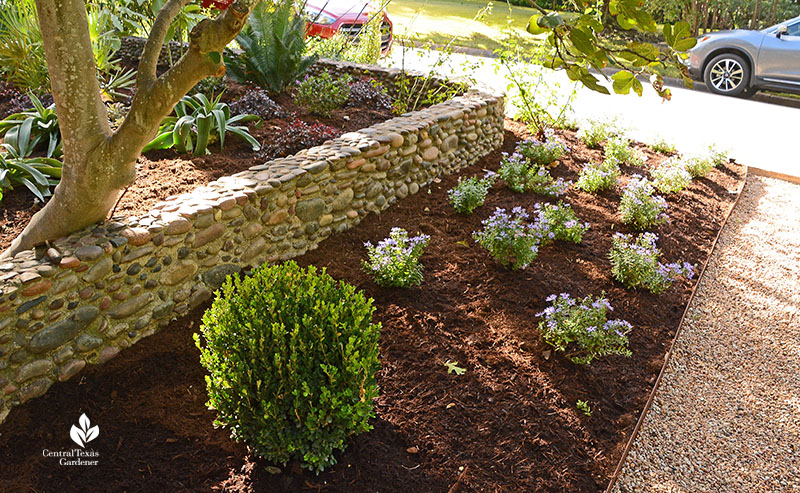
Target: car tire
x=749 y=92
x=729 y=75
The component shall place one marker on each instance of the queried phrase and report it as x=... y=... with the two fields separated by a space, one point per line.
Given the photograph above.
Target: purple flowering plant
x=639 y=208
x=470 y=193
x=522 y=176
x=619 y=149
x=394 y=261
x=635 y=262
x=671 y=177
x=561 y=223
x=596 y=177
x=581 y=328
x=542 y=153
x=510 y=238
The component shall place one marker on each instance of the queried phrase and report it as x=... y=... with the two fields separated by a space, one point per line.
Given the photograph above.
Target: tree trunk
x=754 y=20
x=97 y=162
x=772 y=11
x=705 y=17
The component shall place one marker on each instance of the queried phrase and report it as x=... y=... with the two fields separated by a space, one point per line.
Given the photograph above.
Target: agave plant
x=273 y=44
x=26 y=131
x=37 y=174
x=197 y=122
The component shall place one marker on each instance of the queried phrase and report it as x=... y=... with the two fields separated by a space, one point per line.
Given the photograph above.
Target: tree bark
x=754 y=20
x=99 y=163
x=772 y=11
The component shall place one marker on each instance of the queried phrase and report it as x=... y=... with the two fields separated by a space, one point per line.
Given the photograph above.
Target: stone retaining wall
x=102 y=289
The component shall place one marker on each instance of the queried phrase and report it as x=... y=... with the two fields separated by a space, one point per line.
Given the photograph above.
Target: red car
x=327 y=17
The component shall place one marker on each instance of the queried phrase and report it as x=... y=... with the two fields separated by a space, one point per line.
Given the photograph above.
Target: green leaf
x=203 y=124
x=636 y=86
x=552 y=20
x=623 y=81
x=679 y=37
x=533 y=26
x=242 y=133
x=583 y=41
x=452 y=367
x=590 y=22
x=215 y=57
x=162 y=141
x=23 y=141
x=222 y=125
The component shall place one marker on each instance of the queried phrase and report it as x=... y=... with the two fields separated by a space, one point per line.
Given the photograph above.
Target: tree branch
x=155 y=101
x=82 y=115
x=152 y=48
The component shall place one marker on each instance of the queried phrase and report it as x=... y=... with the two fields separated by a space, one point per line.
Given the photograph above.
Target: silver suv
x=740 y=62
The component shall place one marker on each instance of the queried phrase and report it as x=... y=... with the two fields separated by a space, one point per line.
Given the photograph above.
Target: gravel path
x=727 y=414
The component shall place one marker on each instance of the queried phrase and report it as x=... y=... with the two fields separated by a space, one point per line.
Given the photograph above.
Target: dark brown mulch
x=508 y=424
x=163 y=173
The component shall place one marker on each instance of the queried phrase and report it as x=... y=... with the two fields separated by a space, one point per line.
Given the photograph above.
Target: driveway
x=758 y=134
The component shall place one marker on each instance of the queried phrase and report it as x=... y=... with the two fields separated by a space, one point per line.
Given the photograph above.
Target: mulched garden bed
x=508 y=424
x=162 y=173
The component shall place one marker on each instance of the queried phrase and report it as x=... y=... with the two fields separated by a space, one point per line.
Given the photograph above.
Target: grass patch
x=438 y=21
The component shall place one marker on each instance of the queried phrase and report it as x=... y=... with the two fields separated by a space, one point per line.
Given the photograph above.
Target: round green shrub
x=292 y=356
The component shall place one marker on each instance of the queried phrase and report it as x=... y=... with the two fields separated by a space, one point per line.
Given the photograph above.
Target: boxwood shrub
x=292 y=356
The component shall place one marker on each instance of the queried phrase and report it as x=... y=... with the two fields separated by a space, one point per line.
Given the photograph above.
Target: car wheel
x=728 y=74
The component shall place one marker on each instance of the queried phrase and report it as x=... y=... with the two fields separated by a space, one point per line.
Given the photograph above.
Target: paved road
x=757 y=134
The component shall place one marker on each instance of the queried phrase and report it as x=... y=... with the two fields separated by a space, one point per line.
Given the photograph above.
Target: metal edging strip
x=668 y=356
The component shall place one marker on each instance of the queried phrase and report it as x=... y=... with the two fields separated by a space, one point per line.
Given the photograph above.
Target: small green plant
x=661 y=146
x=635 y=263
x=412 y=91
x=321 y=94
x=671 y=176
x=594 y=178
x=198 y=122
x=394 y=262
x=596 y=131
x=639 y=208
x=717 y=156
x=697 y=166
x=33 y=129
x=273 y=44
x=580 y=328
x=619 y=149
x=291 y=355
x=416 y=92
x=470 y=193
x=115 y=85
x=452 y=367
x=37 y=174
x=509 y=238
x=700 y=166
x=522 y=176
x=561 y=223
x=543 y=153
x=583 y=407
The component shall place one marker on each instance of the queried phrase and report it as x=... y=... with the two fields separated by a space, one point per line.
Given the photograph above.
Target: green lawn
x=438 y=21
